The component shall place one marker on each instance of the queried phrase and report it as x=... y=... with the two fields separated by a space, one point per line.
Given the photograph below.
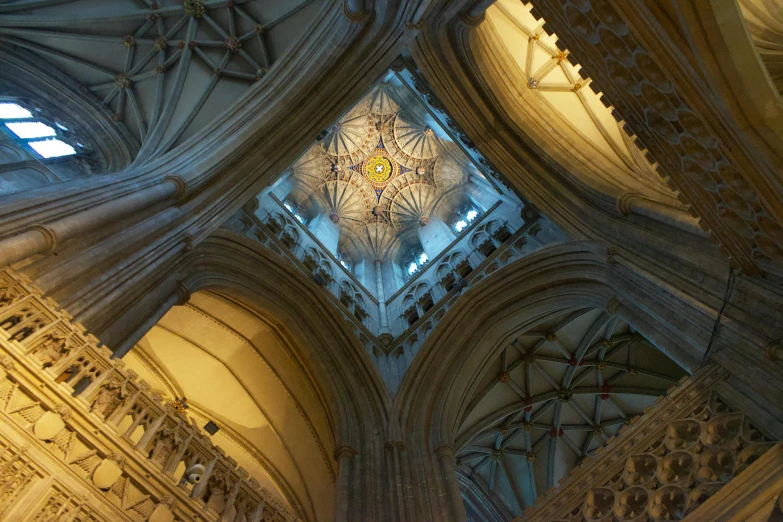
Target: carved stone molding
x=712 y=174
x=50 y=236
x=344 y=452
x=181 y=186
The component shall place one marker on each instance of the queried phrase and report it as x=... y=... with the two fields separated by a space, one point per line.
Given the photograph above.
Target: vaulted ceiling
x=163 y=68
x=557 y=92
x=552 y=396
x=764 y=19
x=236 y=368
x=383 y=171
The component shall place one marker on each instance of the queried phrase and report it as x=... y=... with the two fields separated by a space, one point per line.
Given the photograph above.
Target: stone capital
x=613 y=305
x=183 y=293
x=353 y=14
x=344 y=452
x=445 y=451
x=49 y=235
x=772 y=350
x=624 y=202
x=180 y=184
x=472 y=21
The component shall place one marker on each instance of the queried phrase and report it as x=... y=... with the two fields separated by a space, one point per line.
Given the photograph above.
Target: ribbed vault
x=552 y=396
x=383 y=171
x=554 y=89
x=163 y=69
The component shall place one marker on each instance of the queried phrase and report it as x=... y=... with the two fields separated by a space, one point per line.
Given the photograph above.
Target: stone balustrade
x=129 y=456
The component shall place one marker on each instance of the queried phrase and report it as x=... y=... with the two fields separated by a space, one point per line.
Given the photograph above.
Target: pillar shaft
x=342 y=487
x=384 y=320
x=455 y=509
x=42 y=239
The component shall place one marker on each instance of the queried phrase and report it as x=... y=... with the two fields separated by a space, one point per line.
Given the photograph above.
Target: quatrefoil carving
x=598 y=503
x=715 y=466
x=676 y=468
x=668 y=503
x=640 y=469
x=631 y=503
x=683 y=434
x=723 y=430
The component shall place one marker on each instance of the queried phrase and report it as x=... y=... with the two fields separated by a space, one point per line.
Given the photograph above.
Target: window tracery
x=414 y=260
x=464 y=217
x=34 y=130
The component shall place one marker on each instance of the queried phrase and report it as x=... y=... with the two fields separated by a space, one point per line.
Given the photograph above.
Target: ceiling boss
x=379 y=168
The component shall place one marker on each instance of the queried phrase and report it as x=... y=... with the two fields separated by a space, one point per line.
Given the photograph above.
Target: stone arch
x=227 y=259
x=322 y=344
x=553 y=279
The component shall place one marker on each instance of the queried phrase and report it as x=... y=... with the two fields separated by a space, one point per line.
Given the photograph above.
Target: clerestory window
x=30 y=130
x=415 y=259
x=464 y=217
x=293 y=208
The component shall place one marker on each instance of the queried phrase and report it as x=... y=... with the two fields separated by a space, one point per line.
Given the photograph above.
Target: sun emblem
x=378 y=169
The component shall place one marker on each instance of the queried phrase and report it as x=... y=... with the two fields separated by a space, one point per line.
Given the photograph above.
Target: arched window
x=464 y=216
x=28 y=127
x=298 y=213
x=345 y=260
x=413 y=260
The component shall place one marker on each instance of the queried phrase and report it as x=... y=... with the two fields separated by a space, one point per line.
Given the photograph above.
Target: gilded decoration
x=380 y=168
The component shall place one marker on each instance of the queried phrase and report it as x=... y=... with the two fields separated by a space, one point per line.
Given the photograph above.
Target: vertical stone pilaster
x=453 y=497
x=342 y=488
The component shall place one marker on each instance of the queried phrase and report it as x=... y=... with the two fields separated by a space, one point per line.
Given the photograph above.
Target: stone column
x=177 y=298
x=475 y=14
x=44 y=238
x=342 y=488
x=435 y=235
x=455 y=509
x=381 y=294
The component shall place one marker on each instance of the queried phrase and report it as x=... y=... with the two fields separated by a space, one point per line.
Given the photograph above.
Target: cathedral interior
x=391 y=260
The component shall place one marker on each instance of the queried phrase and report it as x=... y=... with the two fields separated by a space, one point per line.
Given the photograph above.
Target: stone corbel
x=772 y=350
x=474 y=15
x=49 y=236
x=356 y=10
